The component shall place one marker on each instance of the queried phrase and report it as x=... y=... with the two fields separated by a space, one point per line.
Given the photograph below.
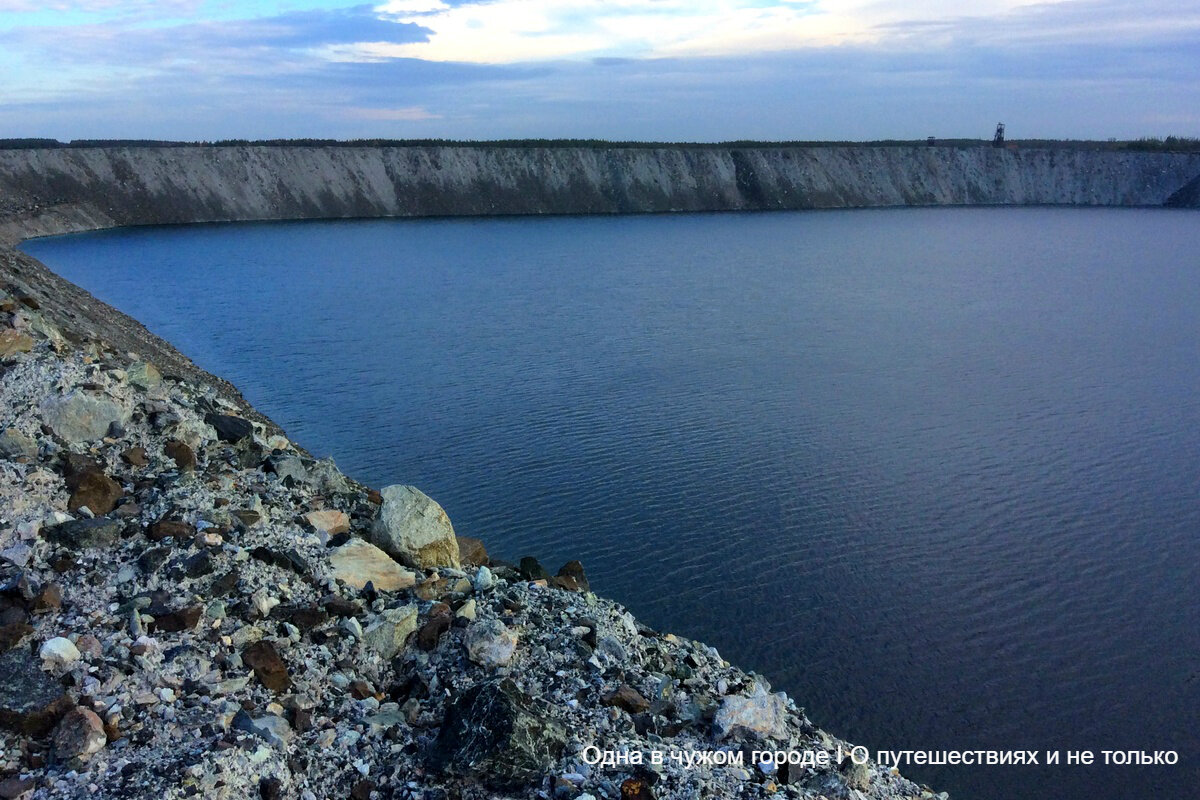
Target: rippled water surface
x=934 y=472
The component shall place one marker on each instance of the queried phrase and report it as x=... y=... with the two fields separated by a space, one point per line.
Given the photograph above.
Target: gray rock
x=83 y=533
x=31 y=701
x=413 y=528
x=143 y=375
x=496 y=735
x=80 y=417
x=387 y=634
x=272 y=729
x=230 y=428
x=14 y=444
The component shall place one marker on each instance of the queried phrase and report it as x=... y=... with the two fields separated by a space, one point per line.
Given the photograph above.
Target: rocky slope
x=190 y=606
x=62 y=190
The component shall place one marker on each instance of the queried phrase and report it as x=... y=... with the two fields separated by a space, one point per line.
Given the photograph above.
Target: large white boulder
x=414 y=529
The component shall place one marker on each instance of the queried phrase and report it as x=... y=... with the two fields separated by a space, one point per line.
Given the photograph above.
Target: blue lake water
x=934 y=472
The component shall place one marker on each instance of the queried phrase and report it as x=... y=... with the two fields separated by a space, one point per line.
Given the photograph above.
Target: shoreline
x=187 y=611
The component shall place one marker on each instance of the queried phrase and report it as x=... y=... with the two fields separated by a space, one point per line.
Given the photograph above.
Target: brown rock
x=471 y=552
x=431 y=632
x=571 y=577
x=374 y=496
x=48 y=599
x=80 y=734
x=362 y=790
x=263 y=658
x=184 y=619
x=183 y=455
x=331 y=522
x=135 y=457
x=636 y=789
x=361 y=690
x=248 y=518
x=89 y=645
x=95 y=490
x=433 y=589
x=13 y=341
x=15 y=788
x=171 y=529
x=626 y=698
x=12 y=634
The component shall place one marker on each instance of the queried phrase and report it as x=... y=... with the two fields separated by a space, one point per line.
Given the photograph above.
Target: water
x=934 y=472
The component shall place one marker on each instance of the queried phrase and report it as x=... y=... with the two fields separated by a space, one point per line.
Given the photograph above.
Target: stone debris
x=191 y=606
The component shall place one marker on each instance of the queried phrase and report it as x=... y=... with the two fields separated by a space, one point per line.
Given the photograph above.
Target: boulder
x=13 y=341
x=181 y=453
x=494 y=734
x=264 y=659
x=413 y=528
x=59 y=652
x=80 y=417
x=357 y=562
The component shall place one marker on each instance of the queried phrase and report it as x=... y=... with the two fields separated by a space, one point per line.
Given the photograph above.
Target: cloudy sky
x=671 y=70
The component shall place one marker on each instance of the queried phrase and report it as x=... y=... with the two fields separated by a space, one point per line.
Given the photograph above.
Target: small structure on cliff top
x=998 y=139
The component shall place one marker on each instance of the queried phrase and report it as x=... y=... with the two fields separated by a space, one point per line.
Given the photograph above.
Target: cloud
x=407 y=114
x=656 y=69
x=508 y=31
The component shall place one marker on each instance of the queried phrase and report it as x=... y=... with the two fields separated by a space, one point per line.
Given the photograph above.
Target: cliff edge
x=47 y=191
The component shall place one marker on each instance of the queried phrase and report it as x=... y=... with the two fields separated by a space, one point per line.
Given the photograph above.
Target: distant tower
x=998 y=139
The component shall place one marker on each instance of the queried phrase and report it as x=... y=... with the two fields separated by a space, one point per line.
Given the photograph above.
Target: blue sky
x=683 y=70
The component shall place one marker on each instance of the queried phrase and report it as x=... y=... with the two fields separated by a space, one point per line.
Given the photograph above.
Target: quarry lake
x=933 y=472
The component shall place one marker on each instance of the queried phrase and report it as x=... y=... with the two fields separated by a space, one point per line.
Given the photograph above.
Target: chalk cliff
x=61 y=190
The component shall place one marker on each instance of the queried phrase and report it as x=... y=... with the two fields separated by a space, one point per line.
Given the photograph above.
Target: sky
x=661 y=70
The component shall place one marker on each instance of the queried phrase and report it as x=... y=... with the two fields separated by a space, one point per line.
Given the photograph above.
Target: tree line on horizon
x=1172 y=144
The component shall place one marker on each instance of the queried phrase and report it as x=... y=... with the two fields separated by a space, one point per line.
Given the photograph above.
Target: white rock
x=762 y=715
x=357 y=562
x=59 y=651
x=490 y=643
x=484 y=580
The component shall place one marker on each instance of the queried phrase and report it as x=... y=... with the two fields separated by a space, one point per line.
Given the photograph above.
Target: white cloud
x=508 y=31
x=407 y=114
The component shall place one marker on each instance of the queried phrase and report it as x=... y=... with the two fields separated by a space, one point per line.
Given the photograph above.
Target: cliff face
x=63 y=190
